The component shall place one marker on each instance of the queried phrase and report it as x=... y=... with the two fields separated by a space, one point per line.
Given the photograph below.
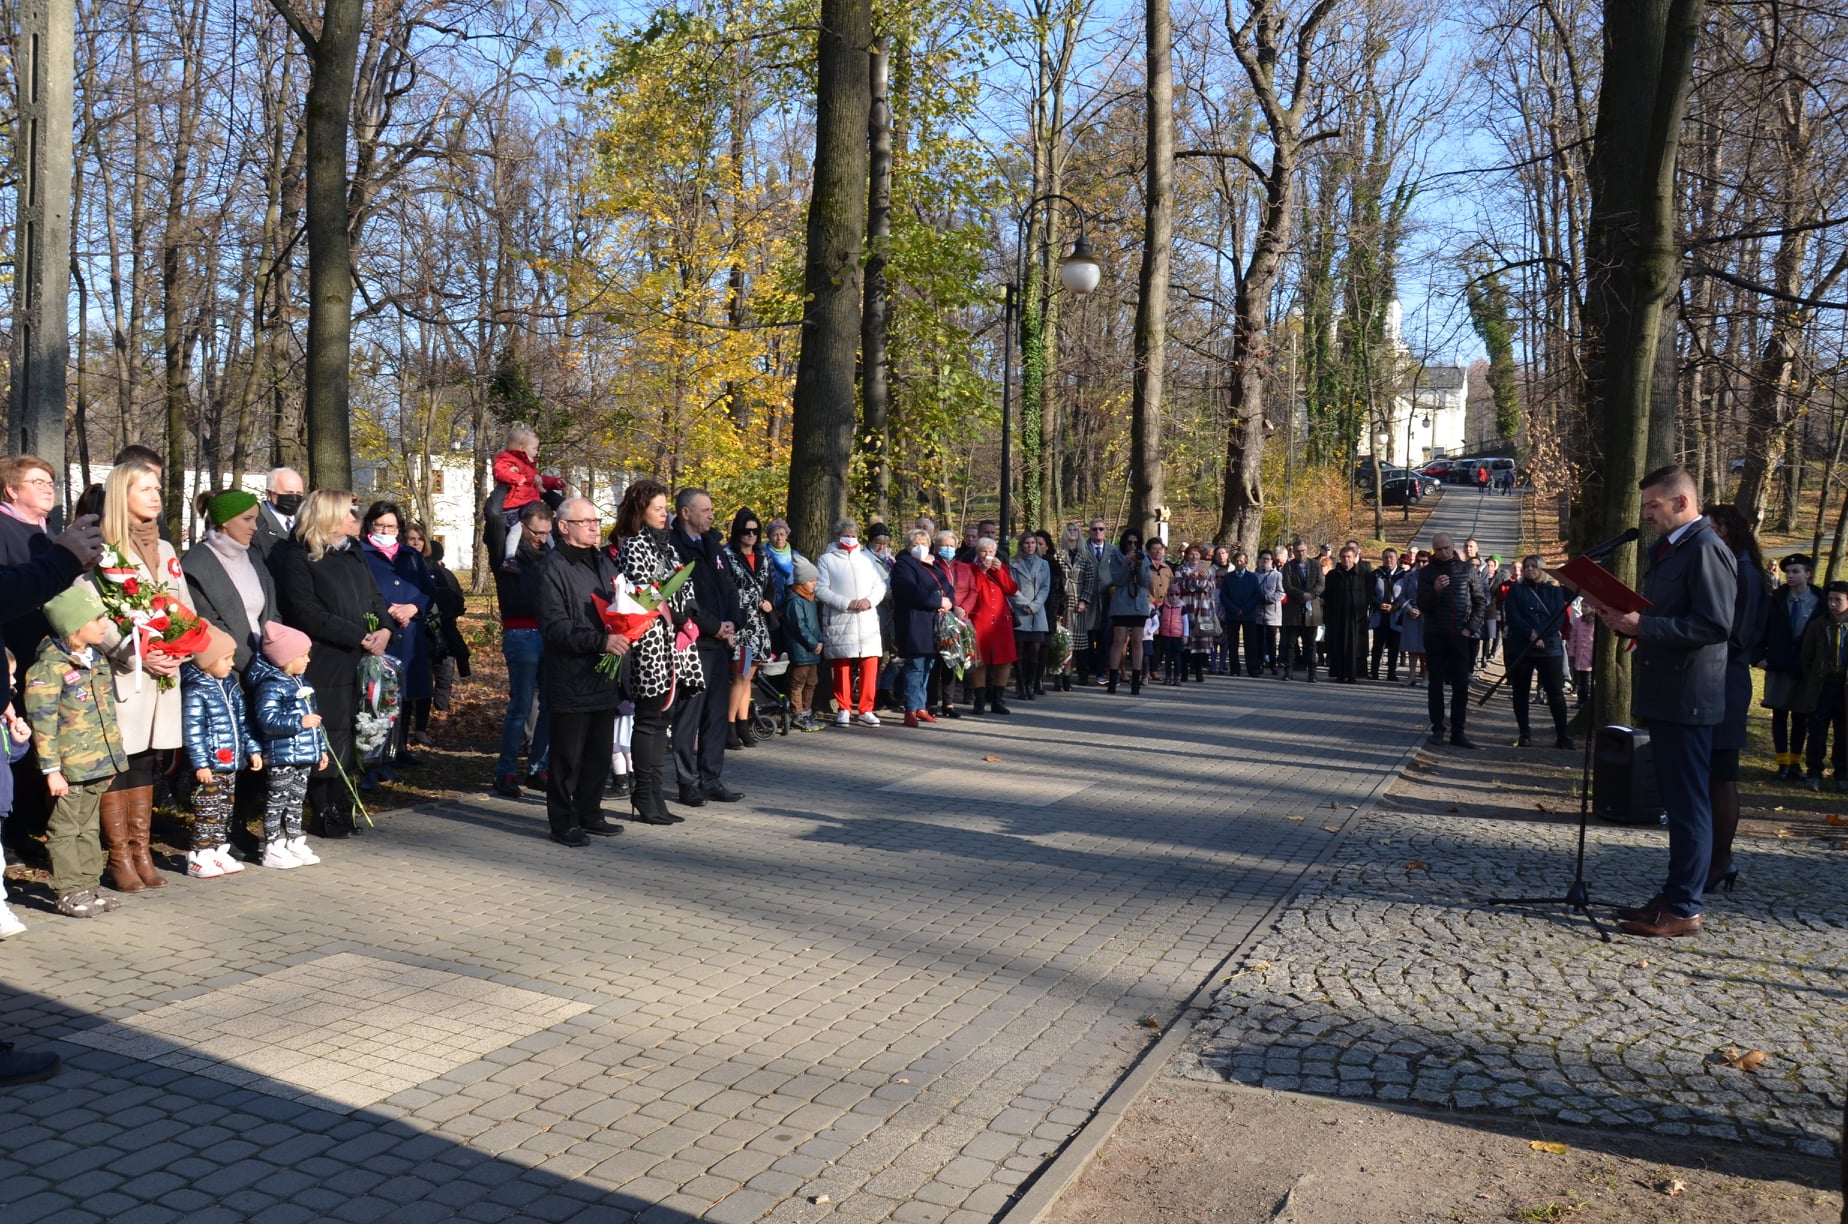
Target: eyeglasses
x=43 y=482
x=575 y=522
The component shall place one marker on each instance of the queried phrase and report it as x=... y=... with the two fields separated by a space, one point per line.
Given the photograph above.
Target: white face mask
x=850 y=541
x=920 y=551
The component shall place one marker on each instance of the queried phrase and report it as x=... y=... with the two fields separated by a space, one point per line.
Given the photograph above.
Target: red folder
x=1599 y=585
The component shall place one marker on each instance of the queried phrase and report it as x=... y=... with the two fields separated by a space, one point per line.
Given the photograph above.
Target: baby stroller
x=770 y=697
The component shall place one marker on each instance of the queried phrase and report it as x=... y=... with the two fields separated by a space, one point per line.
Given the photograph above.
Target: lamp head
x=1079 y=272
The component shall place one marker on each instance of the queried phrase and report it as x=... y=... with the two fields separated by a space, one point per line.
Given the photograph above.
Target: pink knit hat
x=282 y=644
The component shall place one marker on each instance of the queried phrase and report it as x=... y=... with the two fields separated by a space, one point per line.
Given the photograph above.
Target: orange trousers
x=843 y=683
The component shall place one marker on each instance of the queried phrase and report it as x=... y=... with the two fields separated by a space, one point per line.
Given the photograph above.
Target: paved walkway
x=1492 y=520
x=899 y=976
x=1388 y=979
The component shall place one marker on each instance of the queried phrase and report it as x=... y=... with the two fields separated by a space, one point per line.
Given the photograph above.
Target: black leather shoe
x=691 y=797
x=1566 y=742
x=723 y=794
x=571 y=837
x=26 y=1066
x=1524 y=741
x=1462 y=741
x=651 y=817
x=602 y=828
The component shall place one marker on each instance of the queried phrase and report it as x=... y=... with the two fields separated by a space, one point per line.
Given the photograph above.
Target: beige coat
x=150 y=718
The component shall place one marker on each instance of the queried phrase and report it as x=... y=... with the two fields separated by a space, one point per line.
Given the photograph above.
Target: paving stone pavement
x=859 y=983
x=1386 y=979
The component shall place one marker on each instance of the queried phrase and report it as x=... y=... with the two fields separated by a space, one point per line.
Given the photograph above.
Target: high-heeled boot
x=138 y=807
x=1115 y=675
x=994 y=700
x=1135 y=681
x=112 y=817
x=1724 y=796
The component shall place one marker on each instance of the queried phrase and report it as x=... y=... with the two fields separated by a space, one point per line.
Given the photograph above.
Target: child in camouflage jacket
x=70 y=702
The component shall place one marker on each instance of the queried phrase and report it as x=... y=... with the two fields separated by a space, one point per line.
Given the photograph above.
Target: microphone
x=1613 y=544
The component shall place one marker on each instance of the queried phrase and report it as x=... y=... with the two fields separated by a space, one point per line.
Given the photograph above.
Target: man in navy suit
x=1680 y=686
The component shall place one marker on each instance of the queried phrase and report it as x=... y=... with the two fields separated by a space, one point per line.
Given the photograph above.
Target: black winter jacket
x=517 y=589
x=1459 y=609
x=715 y=596
x=574 y=633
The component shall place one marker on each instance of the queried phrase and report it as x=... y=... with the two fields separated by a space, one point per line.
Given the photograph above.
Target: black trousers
x=1829 y=716
x=1552 y=672
x=699 y=724
x=1386 y=642
x=579 y=766
x=1451 y=658
x=1299 y=643
x=648 y=749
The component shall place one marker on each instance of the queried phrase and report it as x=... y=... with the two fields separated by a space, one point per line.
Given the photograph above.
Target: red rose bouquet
x=147 y=613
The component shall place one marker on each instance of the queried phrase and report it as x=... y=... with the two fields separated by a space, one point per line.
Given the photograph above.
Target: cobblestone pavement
x=899 y=975
x=1386 y=979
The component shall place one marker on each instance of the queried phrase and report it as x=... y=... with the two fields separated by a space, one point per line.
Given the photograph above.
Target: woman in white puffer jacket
x=849 y=590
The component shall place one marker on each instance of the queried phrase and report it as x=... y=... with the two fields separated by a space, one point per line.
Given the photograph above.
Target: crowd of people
x=246 y=672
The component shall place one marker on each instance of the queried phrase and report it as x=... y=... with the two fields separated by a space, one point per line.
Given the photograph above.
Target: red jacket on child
x=516 y=470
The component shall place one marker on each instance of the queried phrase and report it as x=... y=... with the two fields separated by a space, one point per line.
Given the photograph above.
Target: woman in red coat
x=993 y=618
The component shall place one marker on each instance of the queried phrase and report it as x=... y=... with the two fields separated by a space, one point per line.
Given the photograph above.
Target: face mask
x=287 y=504
x=850 y=542
x=920 y=551
x=946 y=552
x=383 y=541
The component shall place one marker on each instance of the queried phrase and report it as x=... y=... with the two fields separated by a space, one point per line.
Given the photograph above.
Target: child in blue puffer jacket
x=290 y=730
x=217 y=734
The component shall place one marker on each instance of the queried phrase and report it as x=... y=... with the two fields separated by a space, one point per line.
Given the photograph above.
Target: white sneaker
x=227 y=862
x=842 y=718
x=10 y=925
x=298 y=846
x=280 y=855
x=868 y=719
x=203 y=865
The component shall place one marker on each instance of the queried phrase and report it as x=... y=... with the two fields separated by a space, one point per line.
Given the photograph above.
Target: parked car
x=1402 y=491
x=1439 y=469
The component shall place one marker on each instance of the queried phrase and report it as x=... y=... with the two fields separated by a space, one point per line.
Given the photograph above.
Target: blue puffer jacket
x=213 y=721
x=278 y=705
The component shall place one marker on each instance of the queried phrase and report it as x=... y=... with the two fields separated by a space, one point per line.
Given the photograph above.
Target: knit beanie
x=227 y=506
x=218 y=644
x=73 y=608
x=805 y=571
x=282 y=645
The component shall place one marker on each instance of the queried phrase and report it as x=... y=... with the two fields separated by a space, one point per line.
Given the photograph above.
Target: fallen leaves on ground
x=1547 y=1145
x=1837 y=820
x=1751 y=1060
x=993 y=760
x=1417 y=865
x=1331 y=828
x=1672 y=1187
x=1253 y=967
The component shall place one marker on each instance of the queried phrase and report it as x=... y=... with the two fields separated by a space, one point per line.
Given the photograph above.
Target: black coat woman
x=327 y=592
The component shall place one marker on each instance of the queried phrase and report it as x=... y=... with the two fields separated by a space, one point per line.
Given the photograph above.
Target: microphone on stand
x=1599 y=552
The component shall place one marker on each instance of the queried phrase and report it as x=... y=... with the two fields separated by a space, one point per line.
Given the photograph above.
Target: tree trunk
x=1634 y=267
x=1147 y=489
x=334 y=53
x=875 y=380
x=822 y=413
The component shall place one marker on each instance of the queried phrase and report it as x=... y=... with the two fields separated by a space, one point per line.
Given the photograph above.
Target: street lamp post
x=1079 y=272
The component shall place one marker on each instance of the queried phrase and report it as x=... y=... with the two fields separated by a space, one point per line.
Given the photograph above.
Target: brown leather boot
x=113 y=818
x=140 y=803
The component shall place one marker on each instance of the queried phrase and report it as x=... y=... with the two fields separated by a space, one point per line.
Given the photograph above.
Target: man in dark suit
x=1680 y=686
x=702 y=719
x=1302 y=608
x=282 y=498
x=1453 y=604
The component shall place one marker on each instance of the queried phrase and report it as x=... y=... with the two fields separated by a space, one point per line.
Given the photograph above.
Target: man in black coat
x=701 y=721
x=526 y=720
x=1453 y=605
x=1680 y=686
x=580 y=700
x=1303 y=580
x=282 y=500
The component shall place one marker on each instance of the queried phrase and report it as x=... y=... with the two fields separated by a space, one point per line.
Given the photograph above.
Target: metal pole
x=42 y=252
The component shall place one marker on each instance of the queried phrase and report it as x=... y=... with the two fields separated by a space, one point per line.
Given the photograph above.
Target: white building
x=1428 y=414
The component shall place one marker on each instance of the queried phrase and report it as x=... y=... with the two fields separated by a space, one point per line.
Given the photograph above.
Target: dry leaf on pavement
x=1672 y=1188
x=991 y=759
x=1837 y=820
x=1751 y=1060
x=1418 y=865
x=1545 y=1145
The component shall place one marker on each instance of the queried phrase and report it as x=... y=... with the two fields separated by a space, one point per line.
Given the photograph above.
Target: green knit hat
x=73 y=608
x=227 y=506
